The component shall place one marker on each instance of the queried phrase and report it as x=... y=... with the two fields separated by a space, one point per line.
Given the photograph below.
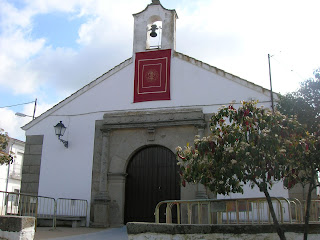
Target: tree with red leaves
x=246 y=146
x=304 y=105
x=5 y=156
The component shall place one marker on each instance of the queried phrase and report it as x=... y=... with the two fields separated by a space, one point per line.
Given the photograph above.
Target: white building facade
x=10 y=175
x=122 y=132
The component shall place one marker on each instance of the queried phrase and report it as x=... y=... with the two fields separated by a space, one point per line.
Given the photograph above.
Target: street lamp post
x=25 y=115
x=271 y=92
x=34 y=109
x=8 y=176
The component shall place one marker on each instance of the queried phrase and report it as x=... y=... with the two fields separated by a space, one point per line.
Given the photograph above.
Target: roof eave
x=223 y=73
x=117 y=68
x=82 y=90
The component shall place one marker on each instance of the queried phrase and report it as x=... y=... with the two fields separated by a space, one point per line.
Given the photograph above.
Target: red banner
x=152 y=76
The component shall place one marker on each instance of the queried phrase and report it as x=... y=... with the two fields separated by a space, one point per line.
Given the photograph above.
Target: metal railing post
x=251 y=211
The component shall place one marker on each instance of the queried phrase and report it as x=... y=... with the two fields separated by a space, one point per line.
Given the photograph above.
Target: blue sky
x=51 y=48
x=59 y=29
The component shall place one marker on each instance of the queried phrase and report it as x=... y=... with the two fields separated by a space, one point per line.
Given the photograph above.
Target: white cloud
x=222 y=33
x=85 y=31
x=12 y=123
x=16 y=48
x=40 y=6
x=15 y=52
x=31 y=64
x=238 y=35
x=11 y=18
x=19 y=47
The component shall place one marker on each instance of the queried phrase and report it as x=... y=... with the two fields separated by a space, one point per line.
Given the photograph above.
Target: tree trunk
x=274 y=217
x=307 y=217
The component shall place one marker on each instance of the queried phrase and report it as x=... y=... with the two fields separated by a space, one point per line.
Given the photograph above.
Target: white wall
x=17 y=148
x=14 y=181
x=67 y=172
x=277 y=191
x=3 y=177
x=190 y=86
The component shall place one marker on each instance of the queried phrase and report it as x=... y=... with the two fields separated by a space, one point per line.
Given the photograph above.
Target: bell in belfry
x=153 y=30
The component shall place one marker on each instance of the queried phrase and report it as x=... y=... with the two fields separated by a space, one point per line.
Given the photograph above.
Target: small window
x=14 y=197
x=16 y=200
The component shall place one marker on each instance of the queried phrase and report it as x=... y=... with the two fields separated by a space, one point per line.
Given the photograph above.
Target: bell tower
x=154 y=28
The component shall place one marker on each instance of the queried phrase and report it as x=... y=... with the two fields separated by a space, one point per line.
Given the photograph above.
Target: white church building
x=118 y=148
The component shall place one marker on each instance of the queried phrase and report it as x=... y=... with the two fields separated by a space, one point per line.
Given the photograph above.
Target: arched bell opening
x=154 y=33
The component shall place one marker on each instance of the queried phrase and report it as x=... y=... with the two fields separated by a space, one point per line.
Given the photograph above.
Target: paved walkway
x=82 y=234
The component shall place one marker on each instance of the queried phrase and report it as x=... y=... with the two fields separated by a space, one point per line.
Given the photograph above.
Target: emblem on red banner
x=152 y=76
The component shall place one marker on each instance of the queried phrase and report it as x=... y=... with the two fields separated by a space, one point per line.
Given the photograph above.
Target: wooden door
x=152 y=177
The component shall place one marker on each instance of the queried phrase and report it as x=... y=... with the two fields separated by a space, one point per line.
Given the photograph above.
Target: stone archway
x=152 y=177
x=119 y=137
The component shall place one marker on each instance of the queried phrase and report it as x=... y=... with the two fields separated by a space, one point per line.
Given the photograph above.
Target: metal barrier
x=74 y=210
x=72 y=207
x=314 y=210
x=229 y=211
x=296 y=210
x=12 y=203
x=46 y=209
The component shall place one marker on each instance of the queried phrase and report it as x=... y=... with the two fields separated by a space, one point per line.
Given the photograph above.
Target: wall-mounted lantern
x=60 y=130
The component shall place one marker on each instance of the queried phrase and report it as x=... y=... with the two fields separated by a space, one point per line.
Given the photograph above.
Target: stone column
x=31 y=164
x=117 y=188
x=102 y=200
x=201 y=191
x=103 y=185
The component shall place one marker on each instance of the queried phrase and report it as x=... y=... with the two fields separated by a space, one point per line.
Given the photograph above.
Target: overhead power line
x=17 y=104
x=145 y=109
